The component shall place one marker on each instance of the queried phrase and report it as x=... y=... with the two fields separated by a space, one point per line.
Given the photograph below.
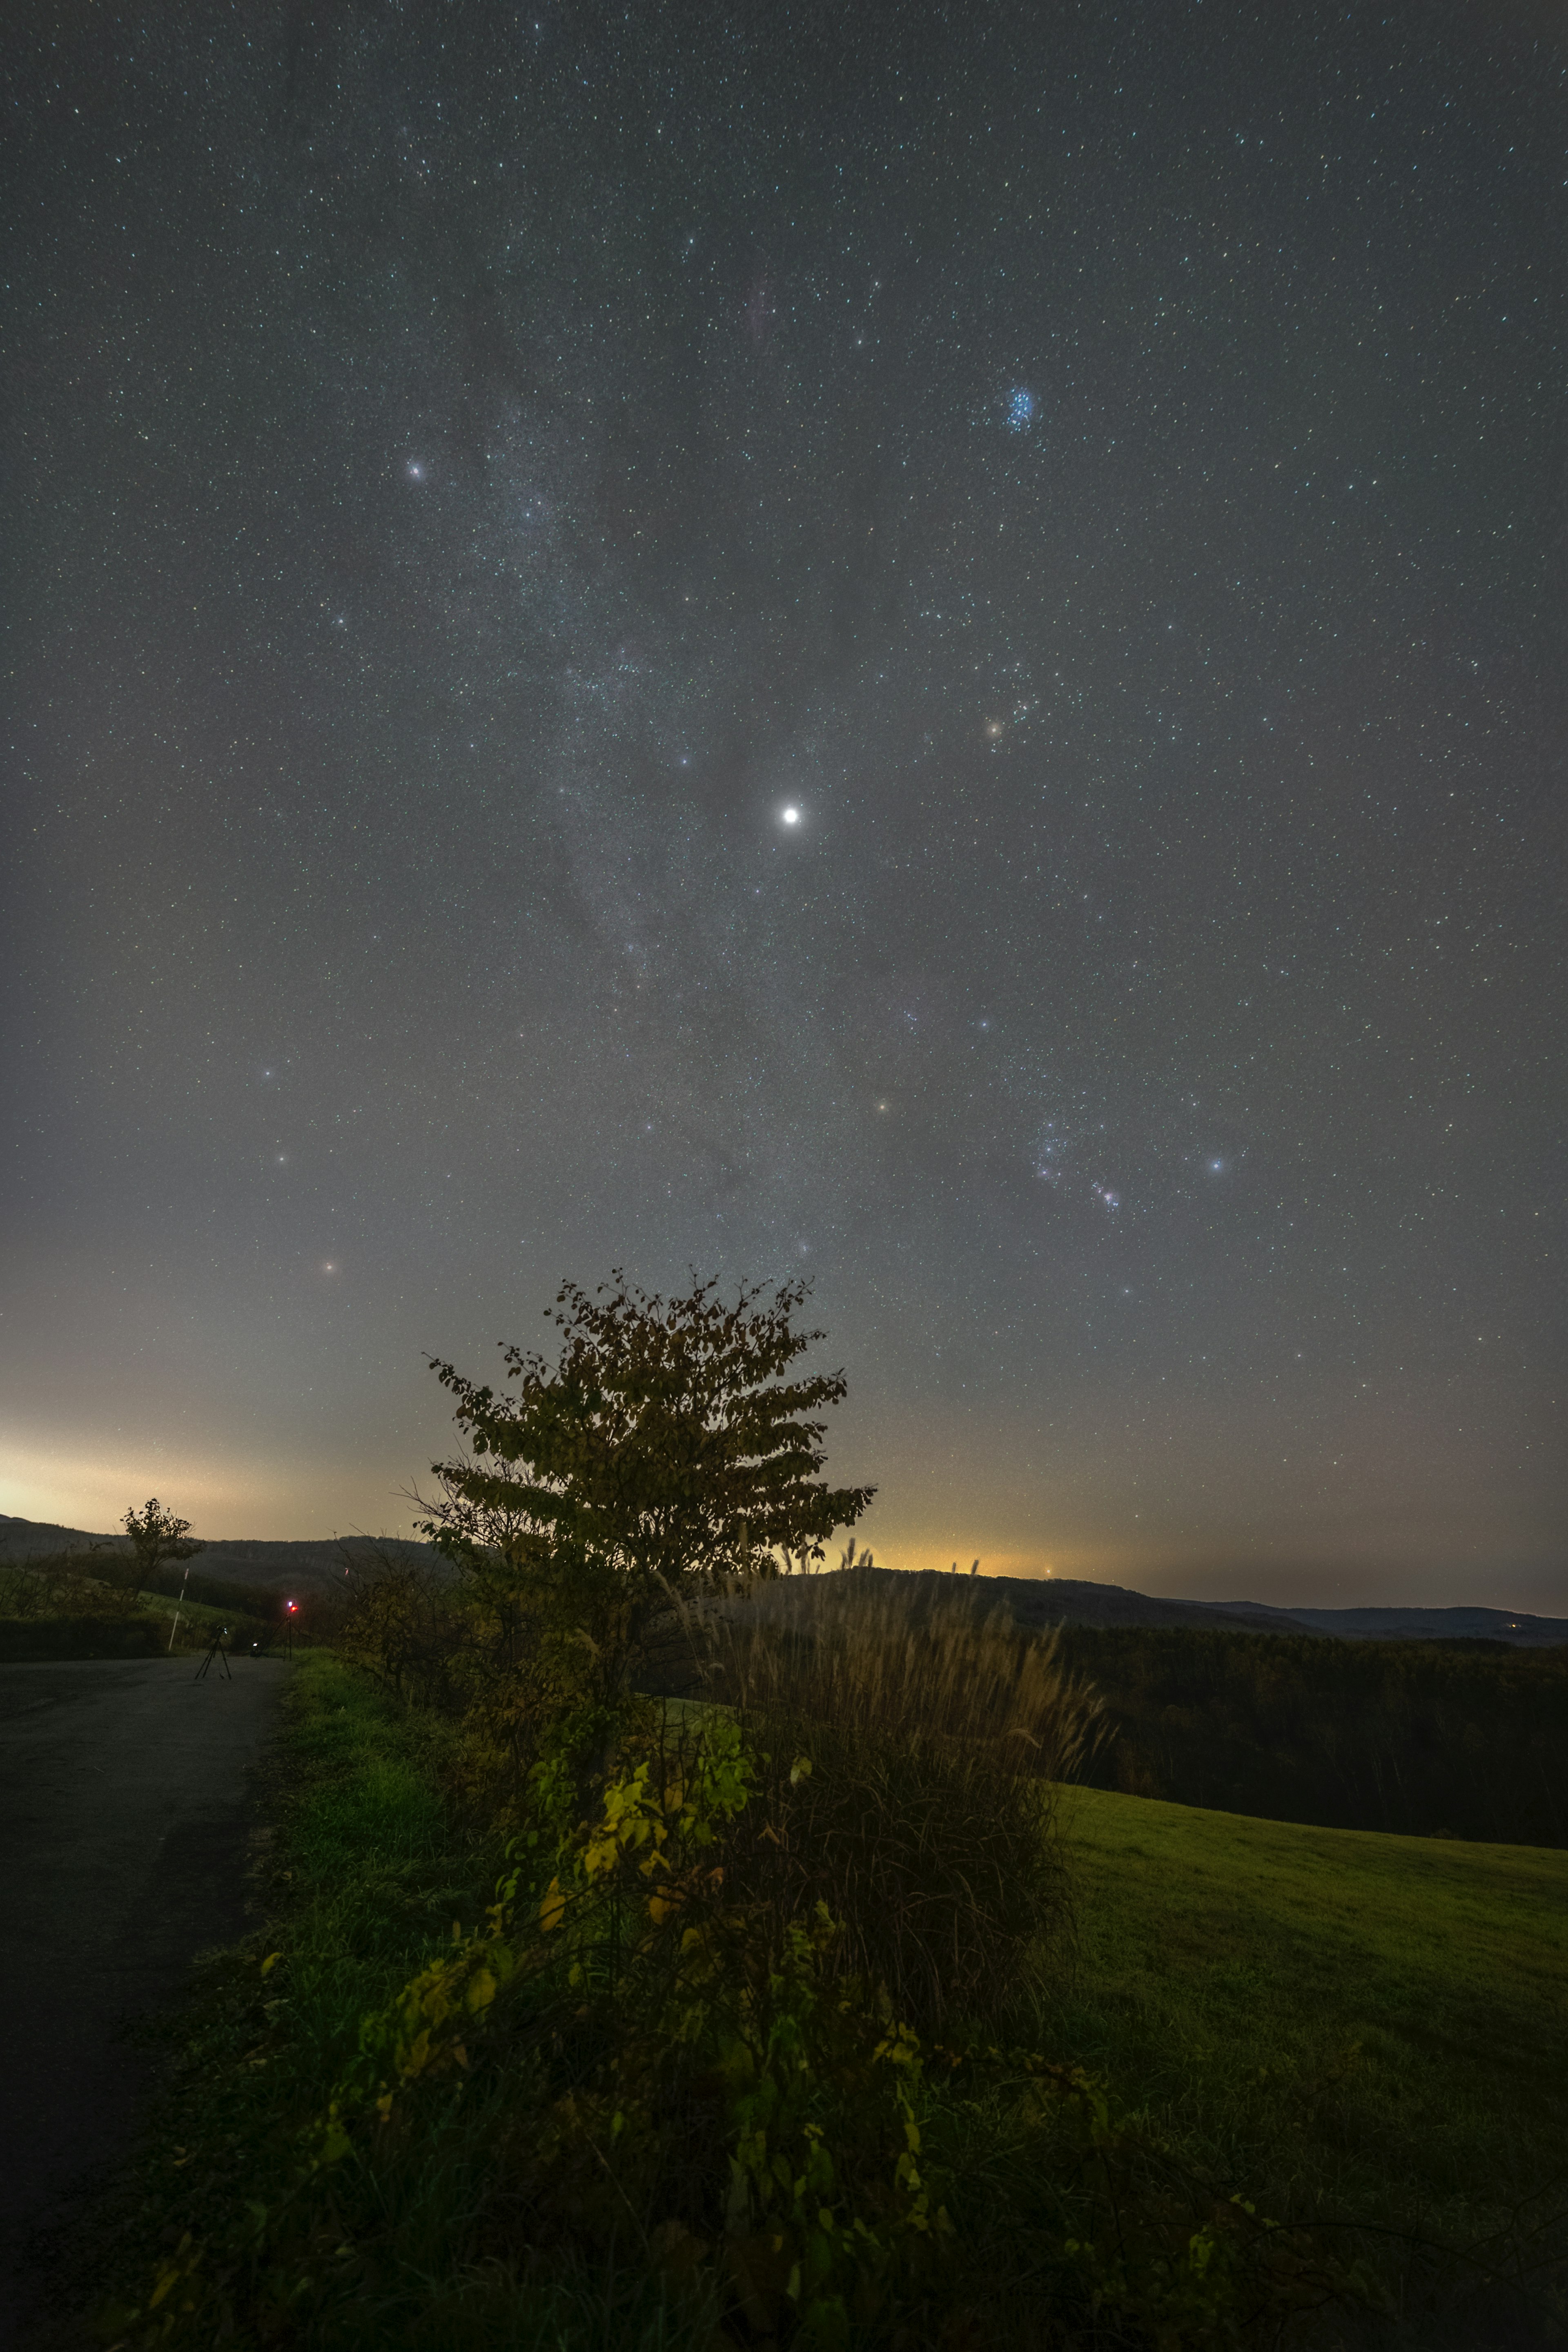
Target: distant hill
x=1054 y=1600
x=1516 y=1626
x=307 y=1567
x=1042 y=1601
x=319 y=1567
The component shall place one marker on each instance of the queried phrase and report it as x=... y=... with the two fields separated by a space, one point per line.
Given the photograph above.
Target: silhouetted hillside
x=1033 y=1602
x=1040 y=1601
x=306 y=1567
x=1516 y=1626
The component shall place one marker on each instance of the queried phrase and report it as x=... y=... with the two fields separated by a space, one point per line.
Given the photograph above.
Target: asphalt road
x=123 y=1812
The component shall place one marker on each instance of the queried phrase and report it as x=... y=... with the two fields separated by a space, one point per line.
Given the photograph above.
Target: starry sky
x=917 y=646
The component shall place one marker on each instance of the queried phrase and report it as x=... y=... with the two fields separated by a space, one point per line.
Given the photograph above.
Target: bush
x=67 y=1584
x=926 y=1824
x=738 y=2014
x=501 y=1654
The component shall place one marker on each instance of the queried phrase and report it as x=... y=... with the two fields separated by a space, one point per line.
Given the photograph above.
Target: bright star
x=791 y=816
x=416 y=470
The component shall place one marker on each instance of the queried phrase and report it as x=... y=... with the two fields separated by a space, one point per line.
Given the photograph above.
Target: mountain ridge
x=323 y=1565
x=309 y=1564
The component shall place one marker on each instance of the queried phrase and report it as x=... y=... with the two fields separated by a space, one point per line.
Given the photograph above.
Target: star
x=725 y=505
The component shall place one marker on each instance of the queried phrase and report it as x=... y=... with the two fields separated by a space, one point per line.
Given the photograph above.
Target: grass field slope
x=1354 y=2023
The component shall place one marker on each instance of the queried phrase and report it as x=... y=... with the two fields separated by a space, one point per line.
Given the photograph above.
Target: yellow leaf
x=270 y=1962
x=481 y=1989
x=552 y=1910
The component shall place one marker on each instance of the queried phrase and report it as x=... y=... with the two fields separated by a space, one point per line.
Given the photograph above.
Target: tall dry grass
x=937 y=1738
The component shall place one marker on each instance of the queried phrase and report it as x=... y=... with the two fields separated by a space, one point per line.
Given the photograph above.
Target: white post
x=175 y=1626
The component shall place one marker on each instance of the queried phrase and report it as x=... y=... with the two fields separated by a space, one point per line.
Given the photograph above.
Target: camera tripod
x=214 y=1650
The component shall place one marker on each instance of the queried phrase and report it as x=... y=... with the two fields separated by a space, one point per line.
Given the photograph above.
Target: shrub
x=403 y=1626
x=926 y=1824
x=67 y=1584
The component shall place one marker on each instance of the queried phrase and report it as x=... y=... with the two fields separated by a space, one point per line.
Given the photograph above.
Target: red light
x=291 y=1606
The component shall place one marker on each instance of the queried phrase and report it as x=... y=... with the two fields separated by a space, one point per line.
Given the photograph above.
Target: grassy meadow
x=1363 y=2026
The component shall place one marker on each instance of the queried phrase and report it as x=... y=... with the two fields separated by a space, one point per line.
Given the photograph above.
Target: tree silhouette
x=666 y=1441
x=156 y=1536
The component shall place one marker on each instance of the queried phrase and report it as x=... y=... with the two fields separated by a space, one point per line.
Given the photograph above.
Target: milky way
x=745 y=640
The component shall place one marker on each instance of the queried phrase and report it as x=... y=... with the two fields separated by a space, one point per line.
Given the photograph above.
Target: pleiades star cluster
x=917 y=646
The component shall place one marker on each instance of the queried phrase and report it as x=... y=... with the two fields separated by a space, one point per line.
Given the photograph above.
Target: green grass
x=361 y=1872
x=361 y=1779
x=1348 y=2024
x=364 y=1873
x=200 y=1618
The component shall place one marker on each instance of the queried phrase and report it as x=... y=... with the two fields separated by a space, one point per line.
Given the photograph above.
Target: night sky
x=920 y=646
